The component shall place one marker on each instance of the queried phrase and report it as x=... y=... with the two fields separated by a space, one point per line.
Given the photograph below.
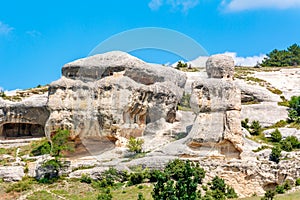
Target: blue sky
x=38 y=37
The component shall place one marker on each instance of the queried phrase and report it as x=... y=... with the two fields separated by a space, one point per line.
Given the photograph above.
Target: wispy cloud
x=33 y=33
x=240 y=5
x=176 y=5
x=5 y=29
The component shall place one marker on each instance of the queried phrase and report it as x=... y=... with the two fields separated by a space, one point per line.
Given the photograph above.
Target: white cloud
x=239 y=5
x=181 y=5
x=245 y=61
x=5 y=29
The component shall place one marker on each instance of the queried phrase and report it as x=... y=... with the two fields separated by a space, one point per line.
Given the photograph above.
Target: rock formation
x=25 y=118
x=113 y=95
x=217 y=104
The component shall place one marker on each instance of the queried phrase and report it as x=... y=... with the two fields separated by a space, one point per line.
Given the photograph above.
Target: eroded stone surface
x=113 y=95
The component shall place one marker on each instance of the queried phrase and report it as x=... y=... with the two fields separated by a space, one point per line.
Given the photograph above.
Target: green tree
x=276 y=136
x=178 y=181
x=281 y=58
x=275 y=154
x=294 y=112
x=255 y=128
x=60 y=142
x=295 y=52
x=135 y=145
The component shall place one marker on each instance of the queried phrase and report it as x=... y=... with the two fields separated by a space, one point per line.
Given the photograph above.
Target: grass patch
x=261 y=148
x=294 y=125
x=41 y=195
x=279 y=124
x=184 y=108
x=132 y=192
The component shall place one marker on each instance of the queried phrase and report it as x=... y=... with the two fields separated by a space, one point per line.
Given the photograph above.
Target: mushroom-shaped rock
x=220 y=66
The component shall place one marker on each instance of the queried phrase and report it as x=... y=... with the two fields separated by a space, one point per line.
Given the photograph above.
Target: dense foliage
x=180 y=181
x=294 y=112
x=281 y=58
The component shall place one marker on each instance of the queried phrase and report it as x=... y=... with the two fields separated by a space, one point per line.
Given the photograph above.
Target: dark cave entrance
x=11 y=130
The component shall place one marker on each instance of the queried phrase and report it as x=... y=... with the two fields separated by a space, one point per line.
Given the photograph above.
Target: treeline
x=283 y=58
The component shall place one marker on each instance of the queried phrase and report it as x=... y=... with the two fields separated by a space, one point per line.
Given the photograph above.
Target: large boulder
x=220 y=66
x=113 y=95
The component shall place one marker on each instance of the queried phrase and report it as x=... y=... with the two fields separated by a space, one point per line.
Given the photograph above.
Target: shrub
x=141 y=197
x=287 y=185
x=244 y=123
x=105 y=196
x=269 y=195
x=275 y=154
x=187 y=175
x=294 y=141
x=297 y=183
x=280 y=189
x=135 y=145
x=44 y=148
x=255 y=128
x=136 y=178
x=276 y=136
x=85 y=179
x=286 y=145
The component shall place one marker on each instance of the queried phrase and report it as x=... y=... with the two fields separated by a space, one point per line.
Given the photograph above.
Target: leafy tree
x=276 y=136
x=275 y=154
x=178 y=181
x=295 y=54
x=135 y=145
x=60 y=142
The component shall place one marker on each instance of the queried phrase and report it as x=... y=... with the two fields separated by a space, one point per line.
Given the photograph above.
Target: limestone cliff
x=114 y=95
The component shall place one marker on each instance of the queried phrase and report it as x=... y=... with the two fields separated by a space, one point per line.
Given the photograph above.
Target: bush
x=60 y=142
x=280 y=189
x=297 y=183
x=85 y=179
x=44 y=148
x=269 y=195
x=294 y=112
x=287 y=185
x=135 y=145
x=255 y=128
x=136 y=178
x=187 y=175
x=275 y=154
x=286 y=145
x=141 y=197
x=105 y=196
x=294 y=141
x=244 y=123
x=276 y=136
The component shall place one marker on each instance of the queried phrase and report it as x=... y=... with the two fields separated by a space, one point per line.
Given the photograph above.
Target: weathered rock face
x=25 y=118
x=220 y=66
x=217 y=104
x=113 y=95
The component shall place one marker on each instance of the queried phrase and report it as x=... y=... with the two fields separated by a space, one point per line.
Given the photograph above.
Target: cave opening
x=12 y=130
